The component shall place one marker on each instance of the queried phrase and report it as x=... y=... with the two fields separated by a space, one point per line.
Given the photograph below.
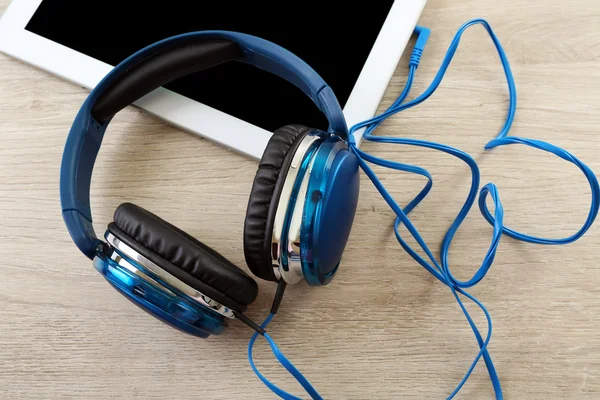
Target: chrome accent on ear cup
x=118 y=246
x=295 y=228
x=293 y=273
x=283 y=205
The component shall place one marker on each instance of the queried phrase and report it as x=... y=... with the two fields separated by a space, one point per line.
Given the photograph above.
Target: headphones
x=300 y=210
x=301 y=206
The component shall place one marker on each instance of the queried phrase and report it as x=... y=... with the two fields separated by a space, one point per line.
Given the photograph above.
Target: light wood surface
x=384 y=329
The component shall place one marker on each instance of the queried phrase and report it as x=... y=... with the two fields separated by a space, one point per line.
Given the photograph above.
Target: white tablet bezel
x=192 y=116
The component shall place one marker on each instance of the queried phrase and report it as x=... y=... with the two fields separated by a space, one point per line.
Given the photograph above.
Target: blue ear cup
x=170 y=274
x=314 y=211
x=183 y=257
x=319 y=216
x=157 y=297
x=329 y=208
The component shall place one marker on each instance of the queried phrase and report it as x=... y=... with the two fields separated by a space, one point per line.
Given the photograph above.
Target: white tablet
x=355 y=47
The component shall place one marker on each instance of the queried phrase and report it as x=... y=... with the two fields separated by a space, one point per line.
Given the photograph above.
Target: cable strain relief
x=415 y=58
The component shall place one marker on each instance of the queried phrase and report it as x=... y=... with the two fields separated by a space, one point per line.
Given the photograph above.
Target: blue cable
x=441 y=270
x=286 y=364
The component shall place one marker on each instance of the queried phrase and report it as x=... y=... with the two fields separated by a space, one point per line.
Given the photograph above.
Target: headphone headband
x=151 y=68
x=164 y=64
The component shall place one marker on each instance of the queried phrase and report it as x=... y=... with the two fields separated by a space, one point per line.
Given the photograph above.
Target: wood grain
x=384 y=328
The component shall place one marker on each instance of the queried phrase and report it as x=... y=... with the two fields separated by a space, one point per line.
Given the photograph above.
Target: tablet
x=355 y=47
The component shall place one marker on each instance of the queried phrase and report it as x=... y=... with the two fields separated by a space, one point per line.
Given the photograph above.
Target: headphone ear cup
x=264 y=197
x=183 y=256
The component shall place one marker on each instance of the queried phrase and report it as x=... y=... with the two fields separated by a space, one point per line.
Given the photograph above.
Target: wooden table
x=384 y=329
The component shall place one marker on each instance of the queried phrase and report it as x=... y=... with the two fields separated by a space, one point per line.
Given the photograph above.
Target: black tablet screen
x=335 y=41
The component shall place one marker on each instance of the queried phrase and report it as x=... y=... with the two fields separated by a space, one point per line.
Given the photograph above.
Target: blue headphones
x=299 y=214
x=302 y=202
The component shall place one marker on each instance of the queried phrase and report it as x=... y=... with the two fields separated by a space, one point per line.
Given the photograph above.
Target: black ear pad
x=264 y=197
x=184 y=257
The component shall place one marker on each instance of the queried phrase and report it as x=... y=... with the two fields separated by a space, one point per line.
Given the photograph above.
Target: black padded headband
x=160 y=68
